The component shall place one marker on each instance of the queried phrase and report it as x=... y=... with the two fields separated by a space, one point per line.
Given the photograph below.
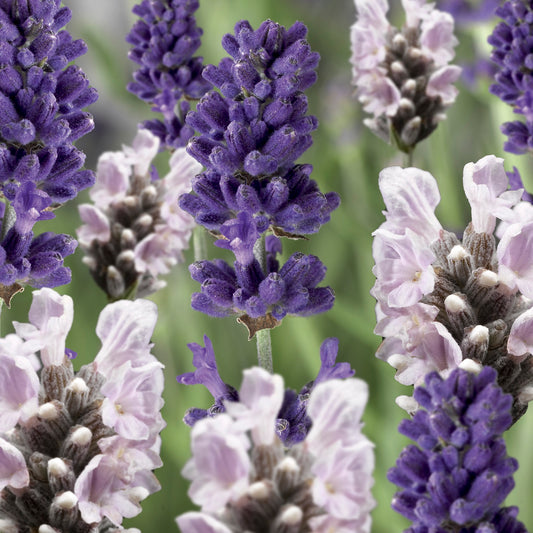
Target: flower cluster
x=77 y=448
x=511 y=53
x=402 y=76
x=441 y=299
x=135 y=229
x=41 y=101
x=164 y=41
x=292 y=421
x=320 y=484
x=251 y=133
x=458 y=476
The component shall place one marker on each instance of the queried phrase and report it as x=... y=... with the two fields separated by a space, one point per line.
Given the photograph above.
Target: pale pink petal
x=13 y=470
x=410 y=196
x=144 y=148
x=515 y=258
x=96 y=225
x=415 y=11
x=336 y=407
x=51 y=318
x=260 y=399
x=112 y=179
x=220 y=466
x=193 y=522
x=436 y=37
x=485 y=184
x=125 y=329
x=521 y=335
x=440 y=83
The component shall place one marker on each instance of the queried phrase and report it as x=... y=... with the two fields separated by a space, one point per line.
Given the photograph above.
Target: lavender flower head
x=402 y=76
x=511 y=53
x=164 y=40
x=458 y=475
x=77 y=448
x=292 y=421
x=41 y=101
x=443 y=301
x=135 y=230
x=245 y=480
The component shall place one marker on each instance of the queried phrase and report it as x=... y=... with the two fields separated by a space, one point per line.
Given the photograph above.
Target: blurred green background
x=346 y=158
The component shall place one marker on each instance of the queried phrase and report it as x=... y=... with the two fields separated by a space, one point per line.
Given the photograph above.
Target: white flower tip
x=126 y=256
x=407 y=403
x=81 y=436
x=113 y=273
x=258 y=490
x=409 y=85
x=479 y=335
x=57 y=467
x=488 y=278
x=45 y=528
x=406 y=104
x=67 y=500
x=289 y=465
x=127 y=234
x=78 y=386
x=471 y=366
x=48 y=411
x=145 y=220
x=399 y=39
x=90 y=262
x=454 y=304
x=415 y=53
x=291 y=516
x=526 y=395
x=398 y=361
x=458 y=253
x=138 y=494
x=131 y=201
x=397 y=66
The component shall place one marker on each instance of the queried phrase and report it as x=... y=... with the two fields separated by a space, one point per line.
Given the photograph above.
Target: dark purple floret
x=257 y=125
x=515 y=183
x=291 y=203
x=458 y=474
x=293 y=423
x=248 y=290
x=164 y=41
x=41 y=101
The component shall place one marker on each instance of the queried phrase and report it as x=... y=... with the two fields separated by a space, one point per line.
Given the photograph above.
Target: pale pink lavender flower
x=135 y=230
x=441 y=299
x=403 y=77
x=242 y=475
x=77 y=450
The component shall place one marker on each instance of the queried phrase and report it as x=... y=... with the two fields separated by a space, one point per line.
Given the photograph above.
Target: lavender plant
x=77 y=448
x=41 y=102
x=402 y=76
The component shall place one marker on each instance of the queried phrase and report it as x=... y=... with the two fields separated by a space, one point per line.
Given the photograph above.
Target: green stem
x=264 y=349
x=264 y=344
x=9 y=218
x=408 y=157
x=199 y=242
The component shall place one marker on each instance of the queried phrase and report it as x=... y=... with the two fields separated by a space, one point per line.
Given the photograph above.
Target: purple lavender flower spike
x=456 y=302
x=402 y=76
x=247 y=290
x=292 y=423
x=311 y=486
x=41 y=99
x=458 y=474
x=257 y=127
x=164 y=40
x=77 y=449
x=513 y=78
x=290 y=204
